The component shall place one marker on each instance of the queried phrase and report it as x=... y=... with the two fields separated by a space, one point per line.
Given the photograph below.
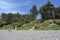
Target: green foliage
x=53 y=27
x=2 y=23
x=46 y=25
x=51 y=22
x=8 y=27
x=47 y=10
x=30 y=25
x=27 y=21
x=57 y=13
x=34 y=10
x=18 y=24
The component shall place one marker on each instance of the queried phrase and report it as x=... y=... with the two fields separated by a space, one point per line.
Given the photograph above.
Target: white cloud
x=27 y=2
x=4 y=4
x=7 y=6
x=11 y=5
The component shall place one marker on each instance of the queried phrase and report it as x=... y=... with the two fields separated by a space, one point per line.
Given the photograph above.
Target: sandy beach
x=29 y=35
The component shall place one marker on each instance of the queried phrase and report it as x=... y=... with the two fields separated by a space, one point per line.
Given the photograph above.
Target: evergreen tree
x=47 y=10
x=3 y=17
x=57 y=12
x=34 y=11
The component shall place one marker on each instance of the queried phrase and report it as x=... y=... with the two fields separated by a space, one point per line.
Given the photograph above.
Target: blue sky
x=23 y=6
